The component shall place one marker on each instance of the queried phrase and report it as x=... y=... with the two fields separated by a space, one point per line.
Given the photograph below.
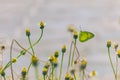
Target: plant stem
x=38 y=39
x=29 y=67
x=23 y=78
x=36 y=73
x=74 y=76
x=83 y=74
x=6 y=66
x=116 y=67
x=52 y=72
x=4 y=77
x=70 y=55
x=61 y=66
x=44 y=77
x=73 y=53
x=111 y=63
x=31 y=46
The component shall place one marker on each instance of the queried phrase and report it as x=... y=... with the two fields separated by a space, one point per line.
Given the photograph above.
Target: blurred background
x=101 y=17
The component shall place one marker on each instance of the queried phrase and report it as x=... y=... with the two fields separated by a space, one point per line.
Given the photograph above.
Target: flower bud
x=56 y=54
x=71 y=78
x=115 y=46
x=23 y=72
x=71 y=28
x=51 y=58
x=14 y=60
x=55 y=62
x=44 y=72
x=42 y=25
x=75 y=34
x=118 y=53
x=67 y=76
x=64 y=49
x=23 y=52
x=93 y=73
x=27 y=32
x=83 y=64
x=34 y=60
x=2 y=73
x=108 y=43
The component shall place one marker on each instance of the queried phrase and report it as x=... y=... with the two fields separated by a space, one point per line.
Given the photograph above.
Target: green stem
x=52 y=72
x=19 y=56
x=83 y=74
x=74 y=76
x=23 y=78
x=44 y=77
x=29 y=68
x=61 y=66
x=69 y=56
x=111 y=63
x=6 y=66
x=38 y=39
x=31 y=45
x=116 y=67
x=73 y=53
x=20 y=47
x=36 y=72
x=55 y=73
x=4 y=77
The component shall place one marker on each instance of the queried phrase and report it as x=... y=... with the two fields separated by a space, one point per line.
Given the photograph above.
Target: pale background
x=102 y=17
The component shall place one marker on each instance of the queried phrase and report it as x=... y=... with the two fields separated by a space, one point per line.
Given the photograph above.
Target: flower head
x=93 y=73
x=23 y=52
x=71 y=28
x=75 y=34
x=44 y=72
x=115 y=46
x=63 y=48
x=51 y=58
x=118 y=53
x=2 y=73
x=14 y=60
x=56 y=54
x=55 y=62
x=67 y=76
x=42 y=25
x=83 y=64
x=34 y=60
x=27 y=30
x=24 y=71
x=108 y=43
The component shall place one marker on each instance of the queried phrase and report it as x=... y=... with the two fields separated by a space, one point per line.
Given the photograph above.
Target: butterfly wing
x=85 y=35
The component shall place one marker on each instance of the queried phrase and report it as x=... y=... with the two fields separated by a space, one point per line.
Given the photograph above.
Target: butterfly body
x=85 y=36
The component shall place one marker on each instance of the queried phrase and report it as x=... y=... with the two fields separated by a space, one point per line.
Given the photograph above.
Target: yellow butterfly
x=85 y=36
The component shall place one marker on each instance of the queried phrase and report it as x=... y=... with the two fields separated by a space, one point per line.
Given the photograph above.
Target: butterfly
x=85 y=36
